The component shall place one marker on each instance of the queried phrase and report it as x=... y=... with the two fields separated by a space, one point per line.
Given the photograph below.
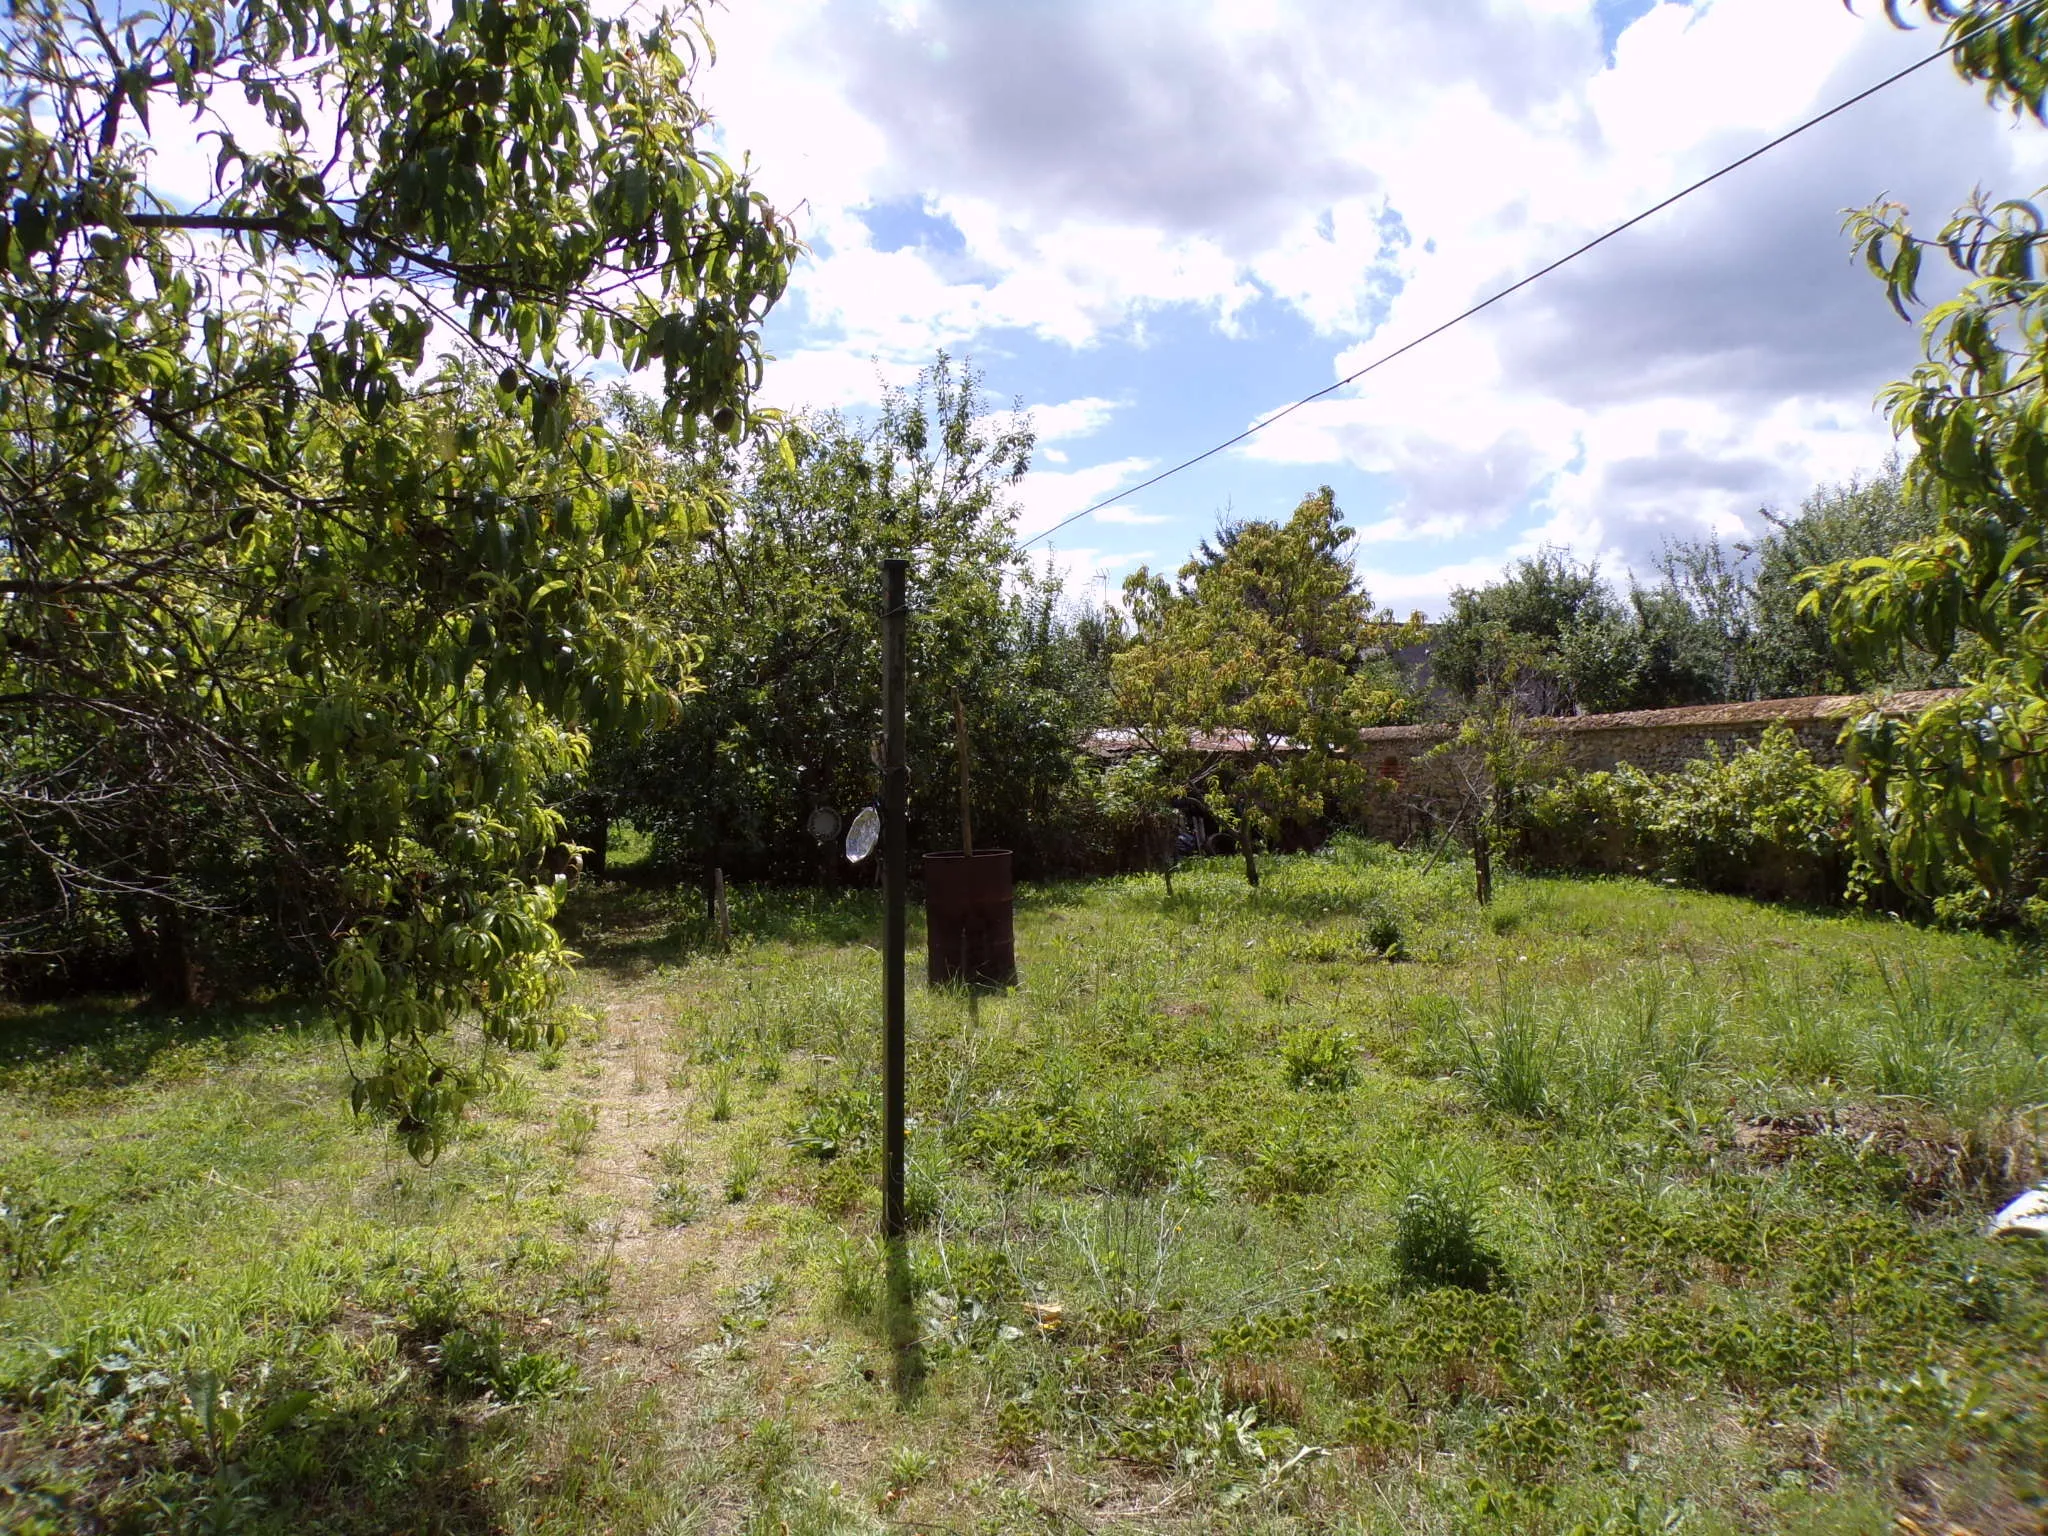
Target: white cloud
x=1093 y=165
x=1721 y=357
x=1045 y=497
x=832 y=379
x=1131 y=517
x=1071 y=418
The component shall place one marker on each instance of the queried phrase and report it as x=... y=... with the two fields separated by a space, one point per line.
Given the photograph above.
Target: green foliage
x=1495 y=758
x=1788 y=649
x=476 y=1362
x=1320 y=1058
x=297 y=623
x=1764 y=819
x=1268 y=639
x=1721 y=622
x=574 y=1126
x=784 y=594
x=1383 y=935
x=1961 y=788
x=837 y=1121
x=1552 y=623
x=38 y=1235
x=742 y=1173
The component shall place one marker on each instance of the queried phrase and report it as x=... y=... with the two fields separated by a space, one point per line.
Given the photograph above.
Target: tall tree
x=1966 y=783
x=1553 y=625
x=1863 y=516
x=784 y=593
x=1268 y=646
x=314 y=556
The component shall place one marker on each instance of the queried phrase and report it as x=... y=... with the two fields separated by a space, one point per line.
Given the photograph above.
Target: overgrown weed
x=1602 y=1211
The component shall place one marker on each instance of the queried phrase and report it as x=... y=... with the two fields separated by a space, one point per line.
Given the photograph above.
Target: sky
x=1154 y=222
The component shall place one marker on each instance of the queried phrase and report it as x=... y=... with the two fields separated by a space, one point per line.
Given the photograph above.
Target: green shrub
x=836 y=1121
x=1764 y=820
x=38 y=1236
x=1299 y=1160
x=475 y=1361
x=1384 y=936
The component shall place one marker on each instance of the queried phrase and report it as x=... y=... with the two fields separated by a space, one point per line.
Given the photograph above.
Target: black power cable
x=1542 y=272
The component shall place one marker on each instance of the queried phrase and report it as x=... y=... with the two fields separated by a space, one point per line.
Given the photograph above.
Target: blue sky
x=1156 y=221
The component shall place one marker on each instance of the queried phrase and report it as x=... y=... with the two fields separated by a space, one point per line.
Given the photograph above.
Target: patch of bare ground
x=666 y=1277
x=709 y=1314
x=1936 y=1157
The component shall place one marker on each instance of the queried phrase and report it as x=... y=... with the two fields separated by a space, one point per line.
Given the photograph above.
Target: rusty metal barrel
x=969 y=909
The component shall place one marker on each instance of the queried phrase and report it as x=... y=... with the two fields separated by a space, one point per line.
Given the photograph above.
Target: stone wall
x=1655 y=740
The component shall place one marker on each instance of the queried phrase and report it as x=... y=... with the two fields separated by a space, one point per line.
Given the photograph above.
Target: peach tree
x=316 y=562
x=1958 y=797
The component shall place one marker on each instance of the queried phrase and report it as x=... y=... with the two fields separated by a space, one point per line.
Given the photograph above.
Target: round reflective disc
x=862 y=836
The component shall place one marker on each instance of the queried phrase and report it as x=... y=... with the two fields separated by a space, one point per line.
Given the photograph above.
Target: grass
x=255 y=1315
x=1340 y=1205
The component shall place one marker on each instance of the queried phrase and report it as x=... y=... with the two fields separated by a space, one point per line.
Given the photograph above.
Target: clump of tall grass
x=1509 y=1062
x=1675 y=1035
x=1811 y=1041
x=1921 y=1048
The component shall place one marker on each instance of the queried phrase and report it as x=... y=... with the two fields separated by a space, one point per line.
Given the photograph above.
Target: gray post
x=895 y=876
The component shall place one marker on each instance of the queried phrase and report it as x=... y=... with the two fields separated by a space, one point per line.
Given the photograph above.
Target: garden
x=441 y=1023
x=1341 y=1204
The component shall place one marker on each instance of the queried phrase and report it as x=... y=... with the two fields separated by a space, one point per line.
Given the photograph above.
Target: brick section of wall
x=1655 y=740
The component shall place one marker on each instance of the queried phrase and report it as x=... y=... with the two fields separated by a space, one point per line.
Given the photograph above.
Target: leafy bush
x=1383 y=934
x=1764 y=820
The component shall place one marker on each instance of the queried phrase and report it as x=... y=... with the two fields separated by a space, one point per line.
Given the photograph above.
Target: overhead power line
x=1540 y=273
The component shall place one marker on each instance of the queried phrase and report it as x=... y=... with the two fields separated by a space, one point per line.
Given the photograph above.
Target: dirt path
x=680 y=1325
x=667 y=1278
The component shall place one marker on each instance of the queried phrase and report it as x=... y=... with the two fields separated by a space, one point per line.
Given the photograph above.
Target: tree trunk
x=1251 y=857
x=141 y=942
x=1482 y=861
x=175 y=980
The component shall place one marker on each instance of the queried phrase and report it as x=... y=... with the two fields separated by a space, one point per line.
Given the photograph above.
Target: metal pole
x=966 y=799
x=895 y=875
